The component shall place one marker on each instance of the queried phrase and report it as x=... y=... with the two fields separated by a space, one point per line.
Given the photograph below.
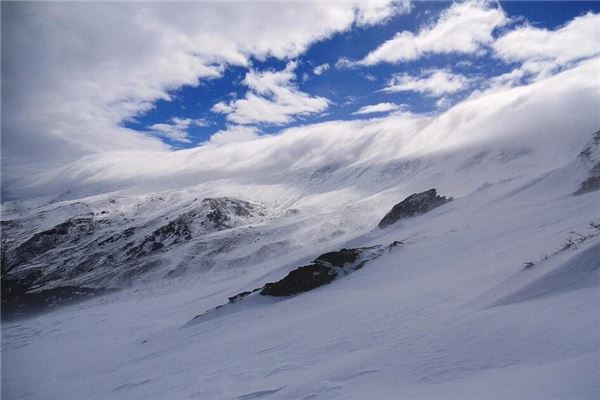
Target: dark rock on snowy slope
x=20 y=297
x=69 y=231
x=591 y=156
x=108 y=244
x=587 y=155
x=23 y=303
x=415 y=204
x=300 y=280
x=322 y=271
x=591 y=184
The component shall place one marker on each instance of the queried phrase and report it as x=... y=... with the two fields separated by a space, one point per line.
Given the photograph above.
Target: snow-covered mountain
x=493 y=294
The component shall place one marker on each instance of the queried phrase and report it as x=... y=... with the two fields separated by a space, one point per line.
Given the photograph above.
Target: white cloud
x=320 y=69
x=443 y=103
x=375 y=12
x=554 y=116
x=578 y=39
x=176 y=129
x=222 y=108
x=76 y=71
x=273 y=98
x=462 y=28
x=350 y=99
x=543 y=51
x=430 y=83
x=379 y=108
x=344 y=63
x=234 y=133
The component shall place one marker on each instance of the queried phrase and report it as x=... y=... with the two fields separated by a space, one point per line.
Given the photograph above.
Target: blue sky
x=349 y=89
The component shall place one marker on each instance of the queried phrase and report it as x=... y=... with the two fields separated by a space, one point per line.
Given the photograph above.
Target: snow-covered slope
x=491 y=295
x=453 y=313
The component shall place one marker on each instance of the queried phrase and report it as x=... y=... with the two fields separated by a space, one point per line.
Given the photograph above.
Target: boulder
x=323 y=270
x=300 y=280
x=415 y=204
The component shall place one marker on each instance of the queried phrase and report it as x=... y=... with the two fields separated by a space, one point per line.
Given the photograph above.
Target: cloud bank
x=535 y=116
x=72 y=73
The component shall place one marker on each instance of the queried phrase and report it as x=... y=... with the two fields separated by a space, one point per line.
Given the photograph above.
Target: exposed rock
x=89 y=248
x=240 y=296
x=49 y=239
x=173 y=232
x=21 y=304
x=591 y=184
x=415 y=204
x=53 y=252
x=591 y=156
x=339 y=258
x=587 y=153
x=223 y=210
x=322 y=271
x=300 y=280
x=17 y=286
x=21 y=298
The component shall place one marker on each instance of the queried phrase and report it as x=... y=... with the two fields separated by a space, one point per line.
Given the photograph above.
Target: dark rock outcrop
x=20 y=298
x=300 y=280
x=590 y=156
x=21 y=303
x=415 y=204
x=99 y=248
x=240 y=296
x=322 y=271
x=44 y=241
x=591 y=184
x=340 y=258
x=223 y=210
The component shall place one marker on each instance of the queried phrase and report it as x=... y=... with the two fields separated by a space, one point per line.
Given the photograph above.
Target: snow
x=450 y=314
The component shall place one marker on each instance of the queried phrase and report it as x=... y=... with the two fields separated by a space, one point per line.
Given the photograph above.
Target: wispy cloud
x=543 y=51
x=379 y=108
x=434 y=83
x=318 y=70
x=526 y=114
x=177 y=128
x=273 y=98
x=463 y=28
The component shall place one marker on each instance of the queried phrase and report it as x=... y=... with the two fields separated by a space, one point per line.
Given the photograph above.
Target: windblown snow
x=492 y=295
